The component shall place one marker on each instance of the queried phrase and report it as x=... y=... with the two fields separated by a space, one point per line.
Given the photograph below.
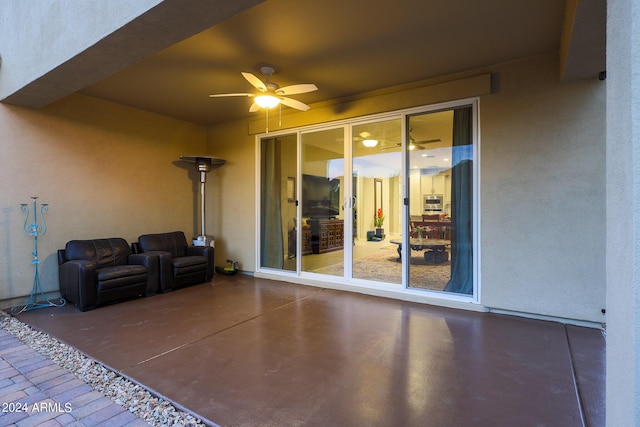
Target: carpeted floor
x=384 y=266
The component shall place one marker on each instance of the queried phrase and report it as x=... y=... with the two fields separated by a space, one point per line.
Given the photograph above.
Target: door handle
x=349 y=203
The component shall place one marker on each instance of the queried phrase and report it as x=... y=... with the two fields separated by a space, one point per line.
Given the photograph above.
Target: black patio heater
x=203 y=165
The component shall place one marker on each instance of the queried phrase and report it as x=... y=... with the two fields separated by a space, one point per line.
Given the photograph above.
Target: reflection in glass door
x=323 y=190
x=440 y=193
x=377 y=170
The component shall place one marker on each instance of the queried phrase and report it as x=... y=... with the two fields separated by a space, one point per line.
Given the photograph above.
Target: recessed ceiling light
x=370 y=142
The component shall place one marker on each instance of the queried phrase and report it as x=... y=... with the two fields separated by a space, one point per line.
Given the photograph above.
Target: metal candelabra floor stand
x=36 y=230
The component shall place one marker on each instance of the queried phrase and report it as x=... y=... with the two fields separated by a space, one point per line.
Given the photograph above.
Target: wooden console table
x=326 y=235
x=306 y=241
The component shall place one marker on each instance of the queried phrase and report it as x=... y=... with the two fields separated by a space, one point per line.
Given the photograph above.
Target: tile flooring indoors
x=241 y=351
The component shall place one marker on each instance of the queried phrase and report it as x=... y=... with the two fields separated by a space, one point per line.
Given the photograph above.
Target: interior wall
x=104 y=169
x=542 y=190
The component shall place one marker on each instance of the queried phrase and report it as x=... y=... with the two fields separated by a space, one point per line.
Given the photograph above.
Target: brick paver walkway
x=35 y=391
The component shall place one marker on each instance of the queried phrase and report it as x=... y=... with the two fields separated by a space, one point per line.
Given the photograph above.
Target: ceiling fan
x=413 y=144
x=270 y=94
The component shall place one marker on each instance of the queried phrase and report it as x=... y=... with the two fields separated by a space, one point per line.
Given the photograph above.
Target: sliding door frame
x=346 y=282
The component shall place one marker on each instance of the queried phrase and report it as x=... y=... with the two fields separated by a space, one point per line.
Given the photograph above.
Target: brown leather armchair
x=180 y=264
x=99 y=271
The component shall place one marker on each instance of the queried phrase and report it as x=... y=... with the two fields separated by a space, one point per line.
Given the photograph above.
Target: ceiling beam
x=161 y=26
x=401 y=97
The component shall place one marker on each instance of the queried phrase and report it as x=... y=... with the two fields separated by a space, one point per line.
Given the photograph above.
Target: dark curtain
x=271 y=241
x=462 y=205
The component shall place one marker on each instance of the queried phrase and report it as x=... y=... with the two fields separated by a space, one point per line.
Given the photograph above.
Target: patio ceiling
x=345 y=47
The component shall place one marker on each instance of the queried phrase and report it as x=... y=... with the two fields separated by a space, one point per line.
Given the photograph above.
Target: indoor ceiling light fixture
x=266 y=101
x=370 y=142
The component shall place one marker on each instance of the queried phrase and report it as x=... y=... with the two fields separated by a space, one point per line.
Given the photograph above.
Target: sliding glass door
x=323 y=191
x=440 y=225
x=277 y=243
x=376 y=154
x=386 y=202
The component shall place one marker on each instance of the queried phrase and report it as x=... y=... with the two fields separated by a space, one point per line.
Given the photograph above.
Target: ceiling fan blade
x=293 y=103
x=256 y=82
x=222 y=95
x=427 y=141
x=296 y=89
x=254 y=107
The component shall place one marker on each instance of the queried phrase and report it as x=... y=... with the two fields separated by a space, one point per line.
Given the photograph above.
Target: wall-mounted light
x=370 y=142
x=266 y=101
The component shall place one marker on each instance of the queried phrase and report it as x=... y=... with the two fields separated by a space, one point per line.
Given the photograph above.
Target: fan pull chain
x=267 y=123
x=279 y=118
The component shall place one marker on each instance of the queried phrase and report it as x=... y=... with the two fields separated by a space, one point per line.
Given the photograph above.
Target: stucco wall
x=105 y=171
x=623 y=219
x=542 y=191
x=231 y=207
x=35 y=40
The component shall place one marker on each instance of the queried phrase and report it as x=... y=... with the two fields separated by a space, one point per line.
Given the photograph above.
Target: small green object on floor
x=230 y=269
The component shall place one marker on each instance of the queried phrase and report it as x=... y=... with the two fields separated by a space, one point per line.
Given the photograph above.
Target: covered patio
x=242 y=351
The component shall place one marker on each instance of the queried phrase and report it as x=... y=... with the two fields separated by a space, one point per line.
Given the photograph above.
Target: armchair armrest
x=78 y=283
x=152 y=263
x=198 y=250
x=206 y=251
x=164 y=275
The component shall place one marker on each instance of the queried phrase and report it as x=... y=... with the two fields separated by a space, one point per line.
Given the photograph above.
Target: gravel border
x=133 y=397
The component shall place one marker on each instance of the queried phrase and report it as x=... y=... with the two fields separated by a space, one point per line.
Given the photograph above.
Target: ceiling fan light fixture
x=266 y=101
x=370 y=142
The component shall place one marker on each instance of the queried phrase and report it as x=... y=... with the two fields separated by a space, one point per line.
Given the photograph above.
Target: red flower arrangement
x=378 y=218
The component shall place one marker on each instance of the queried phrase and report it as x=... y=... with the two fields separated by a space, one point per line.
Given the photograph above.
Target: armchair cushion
x=120 y=272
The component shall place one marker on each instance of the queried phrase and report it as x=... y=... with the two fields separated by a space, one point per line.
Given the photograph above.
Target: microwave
x=432 y=202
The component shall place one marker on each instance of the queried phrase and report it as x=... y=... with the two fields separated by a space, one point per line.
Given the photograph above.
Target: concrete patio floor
x=242 y=351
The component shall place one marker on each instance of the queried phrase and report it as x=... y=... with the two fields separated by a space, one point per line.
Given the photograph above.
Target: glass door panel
x=440 y=177
x=377 y=190
x=322 y=201
x=278 y=229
